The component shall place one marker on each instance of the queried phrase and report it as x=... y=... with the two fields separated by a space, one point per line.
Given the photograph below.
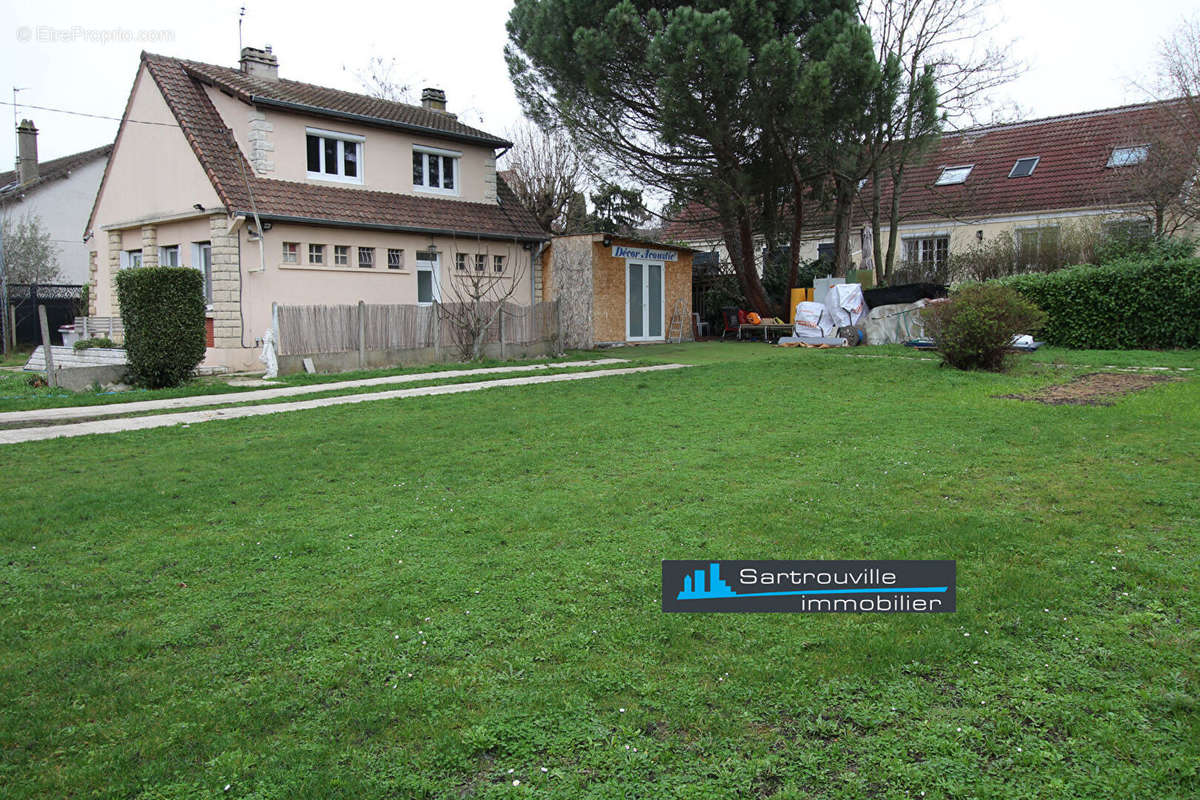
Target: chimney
x=27 y=160
x=260 y=63
x=433 y=99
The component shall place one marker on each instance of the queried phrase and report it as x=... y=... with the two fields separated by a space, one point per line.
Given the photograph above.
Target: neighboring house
x=1028 y=179
x=616 y=289
x=60 y=192
x=290 y=193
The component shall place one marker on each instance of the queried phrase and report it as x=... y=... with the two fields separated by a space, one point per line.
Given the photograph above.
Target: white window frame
x=1035 y=159
x=131 y=259
x=361 y=251
x=1109 y=226
x=481 y=260
x=646 y=310
x=283 y=253
x=433 y=267
x=198 y=249
x=399 y=251
x=169 y=248
x=321 y=248
x=1131 y=156
x=342 y=139
x=341 y=251
x=949 y=176
x=921 y=242
x=460 y=262
x=456 y=155
x=498 y=264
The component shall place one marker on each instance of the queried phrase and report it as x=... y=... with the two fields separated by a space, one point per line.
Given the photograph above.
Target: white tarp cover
x=895 y=324
x=812 y=321
x=845 y=304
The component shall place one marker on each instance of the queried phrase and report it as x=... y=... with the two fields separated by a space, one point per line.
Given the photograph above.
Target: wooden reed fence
x=310 y=330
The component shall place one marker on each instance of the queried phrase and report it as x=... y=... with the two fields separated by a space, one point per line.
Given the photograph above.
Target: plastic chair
x=729 y=318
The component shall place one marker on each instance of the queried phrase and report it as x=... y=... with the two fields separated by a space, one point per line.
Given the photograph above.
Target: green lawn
x=436 y=597
x=17 y=395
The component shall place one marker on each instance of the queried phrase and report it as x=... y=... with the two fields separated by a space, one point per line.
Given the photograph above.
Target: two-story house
x=58 y=193
x=1030 y=180
x=286 y=192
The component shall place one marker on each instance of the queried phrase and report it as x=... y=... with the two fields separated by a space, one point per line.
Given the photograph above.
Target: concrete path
x=41 y=415
x=190 y=417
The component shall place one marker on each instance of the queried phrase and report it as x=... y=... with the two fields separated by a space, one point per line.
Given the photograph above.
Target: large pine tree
x=719 y=102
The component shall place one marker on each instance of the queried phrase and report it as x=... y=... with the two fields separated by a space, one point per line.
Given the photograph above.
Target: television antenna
x=17 y=136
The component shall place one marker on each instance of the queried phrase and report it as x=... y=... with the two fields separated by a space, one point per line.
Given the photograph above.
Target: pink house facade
x=290 y=193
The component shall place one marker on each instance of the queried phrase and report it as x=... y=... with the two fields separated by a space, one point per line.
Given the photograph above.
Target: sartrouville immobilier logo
x=809 y=586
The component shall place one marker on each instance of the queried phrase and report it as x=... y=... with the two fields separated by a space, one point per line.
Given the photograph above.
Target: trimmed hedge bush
x=974 y=329
x=1123 y=305
x=163 y=312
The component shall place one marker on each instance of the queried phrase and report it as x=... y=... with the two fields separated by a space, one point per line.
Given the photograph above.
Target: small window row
x=463 y=262
x=319 y=255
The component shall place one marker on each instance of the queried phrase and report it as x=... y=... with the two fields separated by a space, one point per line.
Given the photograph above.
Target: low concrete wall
x=76 y=379
x=380 y=359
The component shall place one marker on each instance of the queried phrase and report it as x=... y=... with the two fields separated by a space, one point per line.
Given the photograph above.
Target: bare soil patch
x=1093 y=389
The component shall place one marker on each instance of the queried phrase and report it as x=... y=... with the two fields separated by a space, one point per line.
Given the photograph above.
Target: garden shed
x=618 y=289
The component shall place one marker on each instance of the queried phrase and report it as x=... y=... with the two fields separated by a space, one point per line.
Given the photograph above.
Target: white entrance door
x=644 y=304
x=428 y=278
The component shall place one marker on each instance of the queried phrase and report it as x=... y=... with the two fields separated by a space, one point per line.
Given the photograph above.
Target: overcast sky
x=82 y=56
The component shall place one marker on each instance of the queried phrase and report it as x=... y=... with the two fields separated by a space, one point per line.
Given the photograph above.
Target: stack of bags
x=833 y=322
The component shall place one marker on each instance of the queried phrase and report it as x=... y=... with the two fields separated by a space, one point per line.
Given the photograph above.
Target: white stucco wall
x=63 y=204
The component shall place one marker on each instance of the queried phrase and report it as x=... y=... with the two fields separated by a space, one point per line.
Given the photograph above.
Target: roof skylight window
x=953 y=175
x=1128 y=156
x=1024 y=167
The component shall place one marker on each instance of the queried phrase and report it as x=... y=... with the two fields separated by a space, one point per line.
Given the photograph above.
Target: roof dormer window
x=1024 y=167
x=435 y=170
x=334 y=156
x=1128 y=156
x=953 y=175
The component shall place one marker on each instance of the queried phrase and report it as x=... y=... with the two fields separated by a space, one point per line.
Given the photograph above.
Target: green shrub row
x=95 y=341
x=1123 y=305
x=163 y=312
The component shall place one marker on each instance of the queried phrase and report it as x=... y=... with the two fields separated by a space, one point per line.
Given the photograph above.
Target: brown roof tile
x=335 y=102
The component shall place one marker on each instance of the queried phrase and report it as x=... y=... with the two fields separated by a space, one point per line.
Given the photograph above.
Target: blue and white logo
x=809 y=586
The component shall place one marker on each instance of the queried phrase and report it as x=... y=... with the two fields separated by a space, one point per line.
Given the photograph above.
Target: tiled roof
x=50 y=170
x=335 y=102
x=244 y=192
x=1071 y=173
x=694 y=223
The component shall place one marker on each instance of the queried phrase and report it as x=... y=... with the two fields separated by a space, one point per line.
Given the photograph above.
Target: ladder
x=678 y=315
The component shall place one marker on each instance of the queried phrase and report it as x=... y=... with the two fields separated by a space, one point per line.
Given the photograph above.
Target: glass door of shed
x=645 y=305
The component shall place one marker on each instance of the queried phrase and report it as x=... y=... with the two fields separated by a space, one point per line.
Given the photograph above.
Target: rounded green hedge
x=1123 y=305
x=163 y=312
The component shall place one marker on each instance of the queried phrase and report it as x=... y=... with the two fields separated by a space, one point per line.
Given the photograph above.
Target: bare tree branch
x=478 y=289
x=544 y=171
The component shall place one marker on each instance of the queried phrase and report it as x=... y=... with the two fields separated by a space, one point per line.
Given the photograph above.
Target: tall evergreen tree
x=703 y=99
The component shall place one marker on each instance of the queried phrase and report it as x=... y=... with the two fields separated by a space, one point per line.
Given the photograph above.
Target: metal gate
x=61 y=301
